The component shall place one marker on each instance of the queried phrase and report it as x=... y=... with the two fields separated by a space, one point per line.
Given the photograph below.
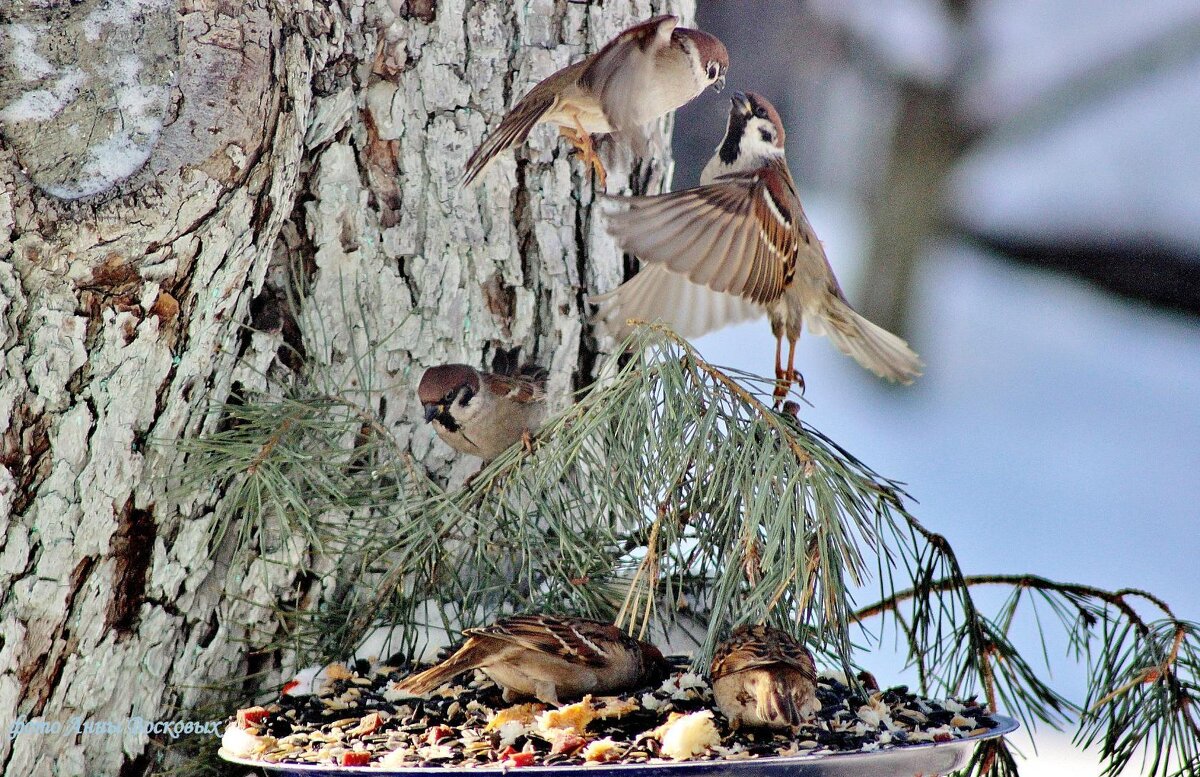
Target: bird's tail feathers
x=872 y=346
x=513 y=130
x=777 y=702
x=467 y=657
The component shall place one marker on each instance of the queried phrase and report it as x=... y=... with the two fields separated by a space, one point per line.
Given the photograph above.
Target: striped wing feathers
x=573 y=639
x=738 y=235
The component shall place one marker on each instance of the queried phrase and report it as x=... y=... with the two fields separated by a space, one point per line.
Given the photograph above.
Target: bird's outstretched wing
x=738 y=235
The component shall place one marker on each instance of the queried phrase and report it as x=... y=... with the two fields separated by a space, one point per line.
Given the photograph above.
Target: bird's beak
x=741 y=103
x=719 y=84
x=430 y=412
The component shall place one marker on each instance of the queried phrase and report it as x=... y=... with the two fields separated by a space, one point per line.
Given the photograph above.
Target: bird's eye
x=713 y=71
x=466 y=396
x=760 y=112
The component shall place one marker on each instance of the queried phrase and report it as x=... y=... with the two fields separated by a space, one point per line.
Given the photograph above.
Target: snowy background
x=1056 y=430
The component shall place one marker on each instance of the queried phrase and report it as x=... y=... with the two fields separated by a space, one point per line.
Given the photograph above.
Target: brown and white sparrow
x=548 y=657
x=761 y=676
x=737 y=246
x=481 y=413
x=645 y=72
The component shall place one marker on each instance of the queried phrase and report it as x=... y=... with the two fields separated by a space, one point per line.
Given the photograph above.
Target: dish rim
x=1005 y=725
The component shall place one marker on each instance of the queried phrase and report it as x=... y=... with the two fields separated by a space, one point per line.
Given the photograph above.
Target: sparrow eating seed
x=548 y=657
x=737 y=246
x=761 y=676
x=481 y=413
x=645 y=72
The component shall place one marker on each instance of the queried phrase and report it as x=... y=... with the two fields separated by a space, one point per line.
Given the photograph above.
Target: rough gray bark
x=174 y=159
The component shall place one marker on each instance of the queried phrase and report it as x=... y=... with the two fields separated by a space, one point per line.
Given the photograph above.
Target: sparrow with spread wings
x=737 y=246
x=549 y=658
x=645 y=72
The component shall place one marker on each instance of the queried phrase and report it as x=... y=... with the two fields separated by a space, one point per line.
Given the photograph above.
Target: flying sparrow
x=548 y=657
x=761 y=676
x=737 y=246
x=645 y=72
x=481 y=413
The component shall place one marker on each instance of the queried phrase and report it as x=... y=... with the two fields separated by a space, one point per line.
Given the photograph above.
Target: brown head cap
x=439 y=381
x=709 y=47
x=656 y=668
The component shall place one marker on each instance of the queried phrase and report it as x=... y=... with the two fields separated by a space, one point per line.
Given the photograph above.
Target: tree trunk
x=170 y=170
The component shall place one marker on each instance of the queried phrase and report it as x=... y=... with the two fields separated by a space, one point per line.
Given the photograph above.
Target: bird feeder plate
x=927 y=759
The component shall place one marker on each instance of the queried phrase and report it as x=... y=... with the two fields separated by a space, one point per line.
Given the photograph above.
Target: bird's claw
x=588 y=155
x=581 y=140
x=784 y=380
x=795 y=377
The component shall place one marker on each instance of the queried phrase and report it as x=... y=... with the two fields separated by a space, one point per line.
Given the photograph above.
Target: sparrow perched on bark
x=761 y=676
x=737 y=246
x=548 y=657
x=645 y=72
x=481 y=413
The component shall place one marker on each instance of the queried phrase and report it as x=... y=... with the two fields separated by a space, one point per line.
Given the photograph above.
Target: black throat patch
x=444 y=418
x=733 y=137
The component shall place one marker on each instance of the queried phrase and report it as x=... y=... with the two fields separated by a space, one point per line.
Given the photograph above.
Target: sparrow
x=645 y=72
x=761 y=676
x=548 y=657
x=482 y=413
x=737 y=246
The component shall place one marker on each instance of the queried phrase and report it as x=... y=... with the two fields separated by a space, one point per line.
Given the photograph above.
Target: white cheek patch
x=465 y=415
x=753 y=145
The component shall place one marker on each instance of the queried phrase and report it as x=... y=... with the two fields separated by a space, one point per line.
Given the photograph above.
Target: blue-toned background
x=1037 y=167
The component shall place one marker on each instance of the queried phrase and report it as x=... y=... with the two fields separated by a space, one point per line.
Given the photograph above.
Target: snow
x=119 y=13
x=30 y=65
x=1056 y=756
x=1126 y=167
x=123 y=152
x=44 y=104
x=108 y=161
x=114 y=92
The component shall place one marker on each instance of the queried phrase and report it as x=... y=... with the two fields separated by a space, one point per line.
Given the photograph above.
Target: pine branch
x=1138 y=670
x=1115 y=598
x=671 y=493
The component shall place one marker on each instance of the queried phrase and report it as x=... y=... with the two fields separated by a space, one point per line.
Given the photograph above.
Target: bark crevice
x=131 y=549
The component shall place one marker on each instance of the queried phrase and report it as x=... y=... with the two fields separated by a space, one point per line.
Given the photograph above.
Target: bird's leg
x=571 y=135
x=527 y=442
x=781 y=387
x=792 y=375
x=582 y=140
x=546 y=692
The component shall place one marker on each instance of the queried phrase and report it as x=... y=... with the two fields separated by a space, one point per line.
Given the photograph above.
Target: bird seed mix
x=357 y=720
